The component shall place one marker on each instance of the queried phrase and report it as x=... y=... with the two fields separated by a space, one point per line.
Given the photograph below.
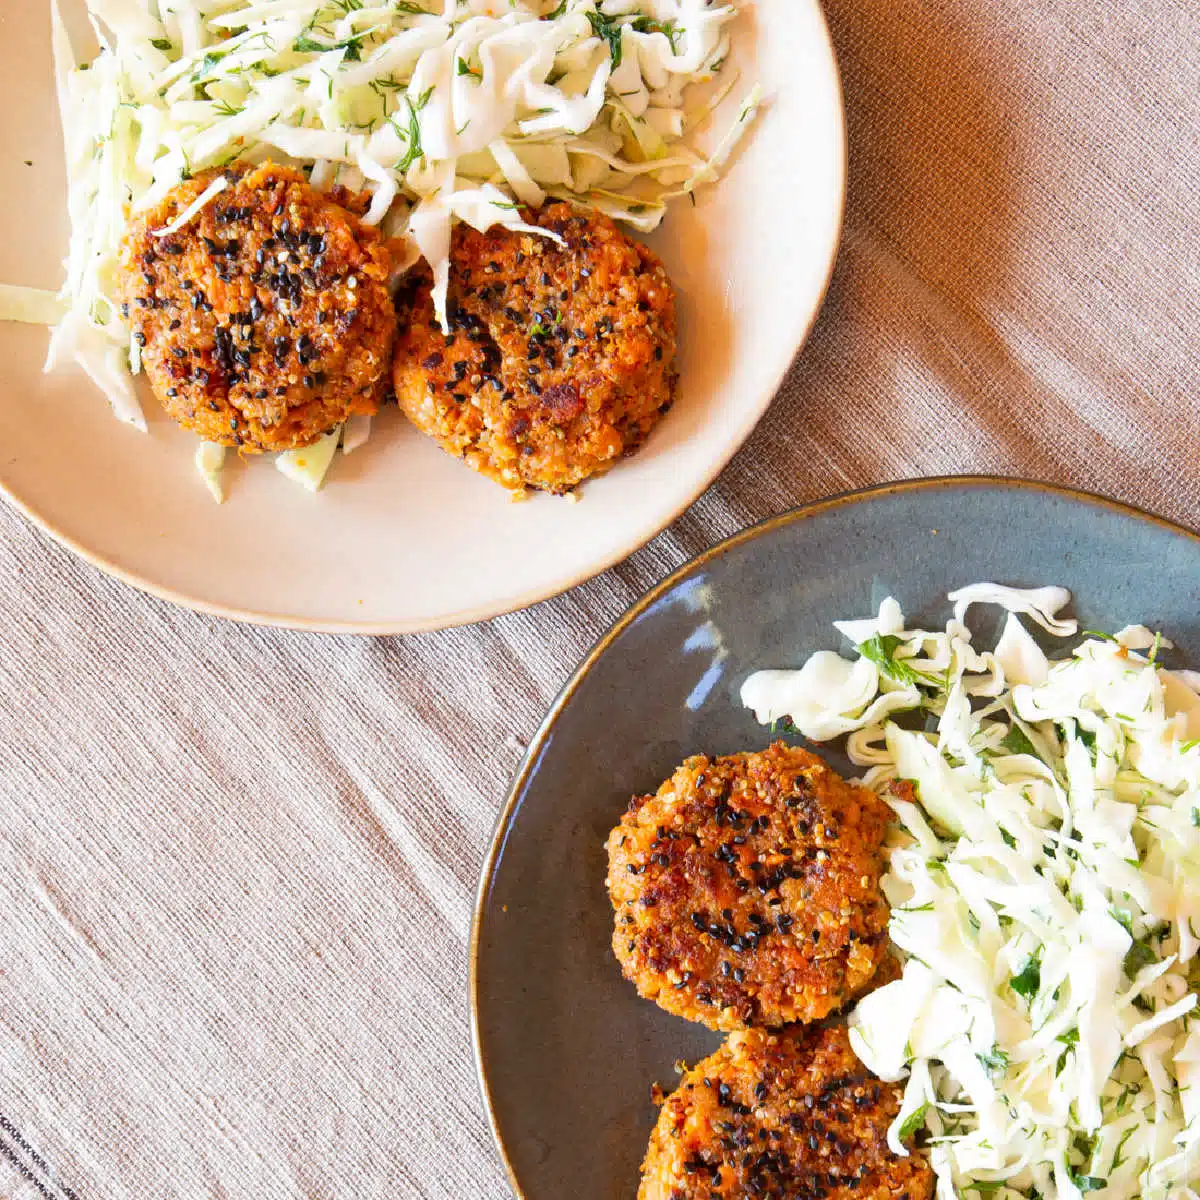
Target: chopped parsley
x=645 y=24
x=1029 y=980
x=1016 y=741
x=913 y=1122
x=995 y=1061
x=881 y=650
x=1140 y=955
x=351 y=45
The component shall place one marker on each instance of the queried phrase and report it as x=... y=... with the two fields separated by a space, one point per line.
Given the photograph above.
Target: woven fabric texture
x=237 y=865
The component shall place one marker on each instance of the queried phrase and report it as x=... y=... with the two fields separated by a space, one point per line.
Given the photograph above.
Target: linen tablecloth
x=237 y=865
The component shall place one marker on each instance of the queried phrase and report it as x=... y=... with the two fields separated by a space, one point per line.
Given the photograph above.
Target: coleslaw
x=1045 y=889
x=442 y=110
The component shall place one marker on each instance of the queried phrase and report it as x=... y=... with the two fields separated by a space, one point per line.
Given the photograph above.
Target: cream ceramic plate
x=403 y=537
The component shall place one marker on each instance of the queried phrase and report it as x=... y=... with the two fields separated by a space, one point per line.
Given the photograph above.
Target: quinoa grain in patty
x=266 y=320
x=746 y=891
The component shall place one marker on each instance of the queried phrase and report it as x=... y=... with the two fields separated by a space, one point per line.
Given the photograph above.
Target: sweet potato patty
x=559 y=359
x=792 y=1115
x=266 y=320
x=746 y=891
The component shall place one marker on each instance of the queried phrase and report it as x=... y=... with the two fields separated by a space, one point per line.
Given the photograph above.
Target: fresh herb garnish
x=881 y=650
x=913 y=1122
x=645 y=24
x=1029 y=980
x=161 y=43
x=351 y=45
x=607 y=29
x=1140 y=955
x=1016 y=741
x=413 y=132
x=1088 y=738
x=306 y=45
x=207 y=63
x=462 y=67
x=995 y=1061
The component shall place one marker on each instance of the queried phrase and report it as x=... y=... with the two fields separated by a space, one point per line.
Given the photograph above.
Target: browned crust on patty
x=266 y=320
x=746 y=891
x=559 y=360
x=791 y=1115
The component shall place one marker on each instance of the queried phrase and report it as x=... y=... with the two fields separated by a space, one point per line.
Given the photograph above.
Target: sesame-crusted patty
x=787 y=1116
x=559 y=359
x=266 y=320
x=746 y=891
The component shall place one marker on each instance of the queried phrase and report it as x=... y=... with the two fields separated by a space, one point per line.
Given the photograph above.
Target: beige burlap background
x=236 y=865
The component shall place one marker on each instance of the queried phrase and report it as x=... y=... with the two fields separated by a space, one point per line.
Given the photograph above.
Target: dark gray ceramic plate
x=566 y=1050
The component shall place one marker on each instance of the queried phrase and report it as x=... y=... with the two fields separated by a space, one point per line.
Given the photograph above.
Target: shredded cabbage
x=442 y=110
x=209 y=459
x=1045 y=888
x=309 y=465
x=33 y=306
